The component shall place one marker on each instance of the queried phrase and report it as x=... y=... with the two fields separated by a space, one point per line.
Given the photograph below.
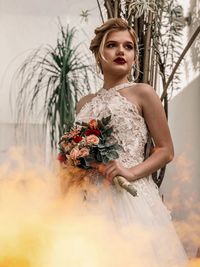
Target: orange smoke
x=41 y=228
x=183 y=199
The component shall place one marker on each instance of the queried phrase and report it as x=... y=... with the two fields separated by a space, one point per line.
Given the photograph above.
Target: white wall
x=184 y=122
x=181 y=185
x=26 y=25
x=30 y=142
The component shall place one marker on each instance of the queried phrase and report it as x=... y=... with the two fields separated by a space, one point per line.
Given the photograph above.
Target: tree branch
x=147 y=48
x=116 y=8
x=101 y=14
x=109 y=8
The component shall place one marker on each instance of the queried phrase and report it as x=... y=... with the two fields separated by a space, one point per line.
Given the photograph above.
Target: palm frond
x=57 y=77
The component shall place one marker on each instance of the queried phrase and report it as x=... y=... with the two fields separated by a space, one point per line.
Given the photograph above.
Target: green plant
x=57 y=78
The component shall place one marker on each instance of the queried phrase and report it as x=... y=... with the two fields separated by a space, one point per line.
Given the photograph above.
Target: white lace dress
x=146 y=236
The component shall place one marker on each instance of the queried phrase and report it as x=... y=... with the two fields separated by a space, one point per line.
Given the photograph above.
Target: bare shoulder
x=149 y=101
x=144 y=90
x=83 y=101
x=145 y=94
x=140 y=94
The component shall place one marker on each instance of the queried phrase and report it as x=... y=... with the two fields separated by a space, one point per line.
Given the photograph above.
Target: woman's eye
x=128 y=46
x=110 y=45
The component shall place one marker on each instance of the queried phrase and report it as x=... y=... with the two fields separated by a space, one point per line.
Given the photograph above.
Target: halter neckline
x=119 y=86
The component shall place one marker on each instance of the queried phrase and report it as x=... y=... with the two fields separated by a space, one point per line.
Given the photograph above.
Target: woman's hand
x=112 y=169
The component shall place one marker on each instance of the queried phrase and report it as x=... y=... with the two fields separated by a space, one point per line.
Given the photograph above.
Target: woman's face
x=118 y=52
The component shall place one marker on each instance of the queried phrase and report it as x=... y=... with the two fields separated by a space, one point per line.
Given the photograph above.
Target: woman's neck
x=109 y=83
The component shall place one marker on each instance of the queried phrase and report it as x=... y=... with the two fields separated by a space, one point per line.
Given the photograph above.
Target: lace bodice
x=129 y=128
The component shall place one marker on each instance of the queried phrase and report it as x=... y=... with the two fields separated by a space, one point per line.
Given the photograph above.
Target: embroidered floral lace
x=129 y=129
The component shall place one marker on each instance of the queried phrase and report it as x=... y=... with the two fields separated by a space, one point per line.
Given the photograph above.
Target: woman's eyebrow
x=113 y=41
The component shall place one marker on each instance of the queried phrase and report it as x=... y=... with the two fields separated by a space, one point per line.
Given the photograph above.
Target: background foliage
x=57 y=77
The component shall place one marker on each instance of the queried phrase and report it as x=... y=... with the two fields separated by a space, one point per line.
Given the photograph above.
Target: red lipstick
x=120 y=60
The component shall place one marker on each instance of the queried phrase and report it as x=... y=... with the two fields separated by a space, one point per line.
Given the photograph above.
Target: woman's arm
x=163 y=151
x=156 y=121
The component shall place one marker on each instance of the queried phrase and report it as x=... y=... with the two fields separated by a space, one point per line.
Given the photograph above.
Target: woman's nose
x=120 y=50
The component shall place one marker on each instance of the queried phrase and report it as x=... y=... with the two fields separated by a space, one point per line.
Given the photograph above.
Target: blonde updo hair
x=101 y=33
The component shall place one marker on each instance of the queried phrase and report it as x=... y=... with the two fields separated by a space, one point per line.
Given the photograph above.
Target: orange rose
x=84 y=152
x=93 y=124
x=92 y=139
x=74 y=154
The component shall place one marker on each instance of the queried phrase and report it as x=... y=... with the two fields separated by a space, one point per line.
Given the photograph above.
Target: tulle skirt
x=117 y=229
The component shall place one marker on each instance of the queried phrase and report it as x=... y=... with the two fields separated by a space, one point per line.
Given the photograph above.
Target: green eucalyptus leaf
x=108 y=131
x=112 y=155
x=89 y=159
x=105 y=160
x=106 y=120
x=99 y=157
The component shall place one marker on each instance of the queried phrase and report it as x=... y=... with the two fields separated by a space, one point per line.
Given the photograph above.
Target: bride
x=147 y=237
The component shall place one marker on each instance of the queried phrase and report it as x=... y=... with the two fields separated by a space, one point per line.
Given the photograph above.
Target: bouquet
x=88 y=143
